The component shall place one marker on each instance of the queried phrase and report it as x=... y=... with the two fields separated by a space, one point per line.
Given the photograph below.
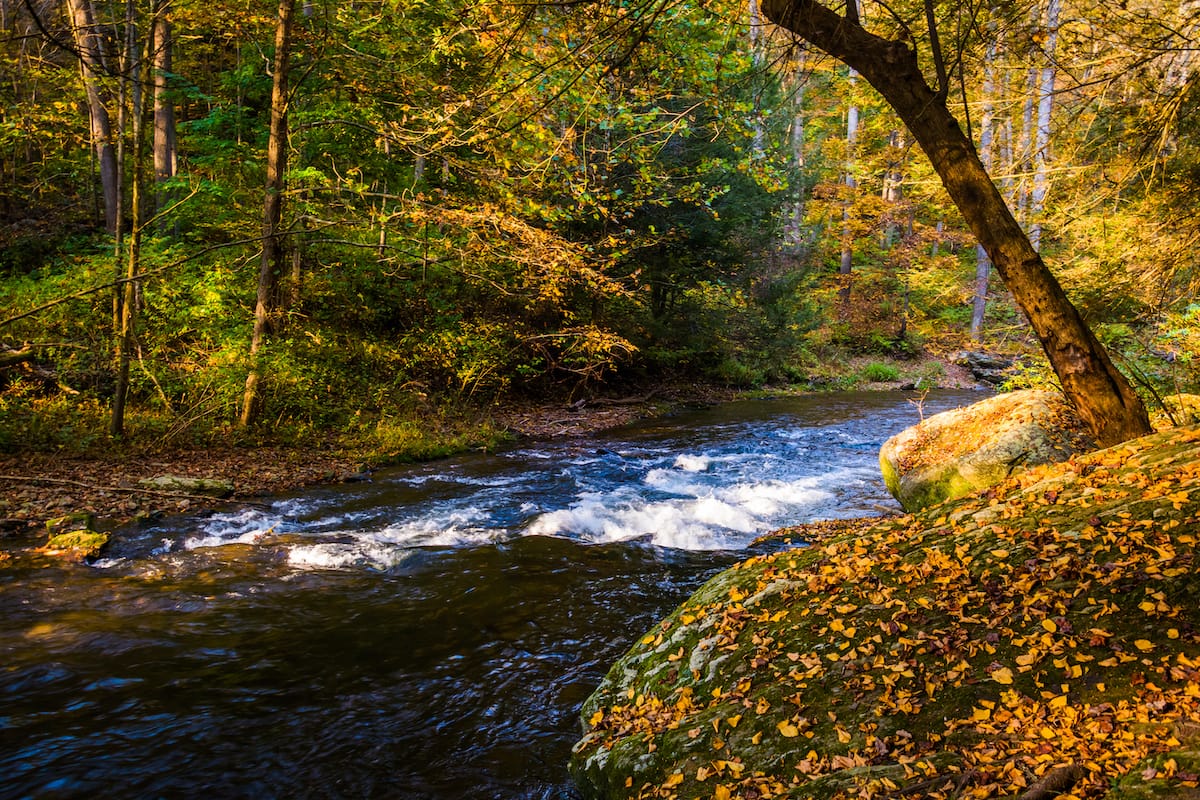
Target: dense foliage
x=486 y=199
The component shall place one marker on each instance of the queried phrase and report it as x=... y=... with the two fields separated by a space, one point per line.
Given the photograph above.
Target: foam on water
x=718 y=518
x=714 y=484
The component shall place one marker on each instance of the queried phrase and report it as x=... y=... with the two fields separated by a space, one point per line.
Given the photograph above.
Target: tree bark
x=983 y=267
x=91 y=55
x=128 y=315
x=272 y=245
x=1041 y=151
x=1099 y=392
x=165 y=160
x=846 y=262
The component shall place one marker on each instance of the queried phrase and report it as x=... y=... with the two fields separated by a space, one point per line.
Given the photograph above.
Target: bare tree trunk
x=91 y=54
x=983 y=265
x=1024 y=145
x=846 y=264
x=793 y=236
x=129 y=305
x=271 y=263
x=1041 y=150
x=1099 y=392
x=165 y=158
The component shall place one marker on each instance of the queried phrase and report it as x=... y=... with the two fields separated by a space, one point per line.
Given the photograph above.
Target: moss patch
x=1044 y=630
x=76 y=544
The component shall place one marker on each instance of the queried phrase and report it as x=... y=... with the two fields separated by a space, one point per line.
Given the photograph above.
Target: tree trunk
x=1099 y=392
x=846 y=263
x=271 y=263
x=165 y=160
x=91 y=55
x=128 y=315
x=983 y=267
x=1041 y=150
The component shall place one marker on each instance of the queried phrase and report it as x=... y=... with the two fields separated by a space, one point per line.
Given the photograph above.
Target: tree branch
x=935 y=44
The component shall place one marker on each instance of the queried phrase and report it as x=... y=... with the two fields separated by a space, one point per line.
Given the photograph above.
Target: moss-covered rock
x=76 y=545
x=1046 y=630
x=209 y=487
x=953 y=454
x=75 y=521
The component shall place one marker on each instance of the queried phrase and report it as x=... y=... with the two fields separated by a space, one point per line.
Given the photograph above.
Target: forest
x=375 y=220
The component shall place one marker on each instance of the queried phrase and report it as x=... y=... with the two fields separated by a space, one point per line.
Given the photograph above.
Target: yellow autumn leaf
x=1058 y=702
x=1145 y=645
x=1003 y=675
x=1050 y=625
x=787 y=729
x=733 y=721
x=981 y=714
x=596 y=718
x=722 y=793
x=673 y=780
x=1000 y=553
x=842 y=734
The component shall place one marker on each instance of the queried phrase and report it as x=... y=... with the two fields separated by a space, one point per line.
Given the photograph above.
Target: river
x=428 y=634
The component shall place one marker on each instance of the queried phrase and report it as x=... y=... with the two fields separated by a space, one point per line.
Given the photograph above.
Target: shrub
x=876 y=372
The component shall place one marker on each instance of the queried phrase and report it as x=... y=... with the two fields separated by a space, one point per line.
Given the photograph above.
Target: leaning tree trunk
x=272 y=246
x=1099 y=392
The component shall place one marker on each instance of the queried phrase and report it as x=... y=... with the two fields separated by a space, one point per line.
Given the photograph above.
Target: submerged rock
x=952 y=454
x=984 y=648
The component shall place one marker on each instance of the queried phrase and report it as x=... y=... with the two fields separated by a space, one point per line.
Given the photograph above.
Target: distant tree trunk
x=983 y=265
x=1041 y=150
x=165 y=158
x=128 y=306
x=1024 y=146
x=91 y=54
x=1099 y=392
x=846 y=264
x=756 y=26
x=892 y=192
x=271 y=264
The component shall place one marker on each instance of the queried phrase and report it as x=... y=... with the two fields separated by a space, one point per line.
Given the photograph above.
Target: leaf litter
x=1039 y=640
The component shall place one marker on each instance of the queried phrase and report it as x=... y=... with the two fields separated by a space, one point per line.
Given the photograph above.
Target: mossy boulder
x=955 y=453
x=76 y=545
x=208 y=487
x=1043 y=634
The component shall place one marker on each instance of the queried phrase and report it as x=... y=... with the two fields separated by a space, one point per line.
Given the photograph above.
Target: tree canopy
x=482 y=200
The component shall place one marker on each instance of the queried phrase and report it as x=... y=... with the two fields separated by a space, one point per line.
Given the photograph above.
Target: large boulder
x=983 y=648
x=953 y=454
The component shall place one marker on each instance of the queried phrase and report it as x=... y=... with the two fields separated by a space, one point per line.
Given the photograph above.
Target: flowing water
x=428 y=634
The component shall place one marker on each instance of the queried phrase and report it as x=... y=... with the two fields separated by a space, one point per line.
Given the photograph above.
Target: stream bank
x=1041 y=639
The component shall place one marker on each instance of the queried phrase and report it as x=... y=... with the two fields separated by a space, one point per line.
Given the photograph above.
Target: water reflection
x=320 y=650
